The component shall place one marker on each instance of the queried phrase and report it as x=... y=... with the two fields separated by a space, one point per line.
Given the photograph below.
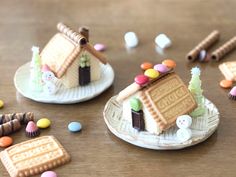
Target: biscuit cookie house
x=156 y=98
x=71 y=58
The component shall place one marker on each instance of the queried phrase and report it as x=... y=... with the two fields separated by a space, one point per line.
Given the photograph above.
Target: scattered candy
x=135 y=104
x=32 y=130
x=74 y=127
x=146 y=65
x=169 y=63
x=232 y=93
x=49 y=174
x=161 y=68
x=162 y=41
x=5 y=141
x=226 y=84
x=202 y=55
x=151 y=73
x=1 y=104
x=131 y=39
x=141 y=80
x=43 y=123
x=100 y=47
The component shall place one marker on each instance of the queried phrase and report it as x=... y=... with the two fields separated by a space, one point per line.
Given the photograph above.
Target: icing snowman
x=183 y=123
x=48 y=78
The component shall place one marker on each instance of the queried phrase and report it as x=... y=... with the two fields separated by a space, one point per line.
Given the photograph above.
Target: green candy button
x=135 y=104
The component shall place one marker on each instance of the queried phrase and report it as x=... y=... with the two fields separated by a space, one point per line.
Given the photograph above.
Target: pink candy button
x=100 y=47
x=161 y=68
x=141 y=80
x=49 y=174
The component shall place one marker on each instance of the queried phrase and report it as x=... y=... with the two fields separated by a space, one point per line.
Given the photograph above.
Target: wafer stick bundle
x=23 y=118
x=203 y=45
x=224 y=49
x=9 y=127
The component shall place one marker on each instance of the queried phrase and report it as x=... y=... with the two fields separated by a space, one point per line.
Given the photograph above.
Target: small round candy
x=43 y=123
x=161 y=68
x=146 y=65
x=169 y=63
x=100 y=47
x=226 y=84
x=151 y=73
x=141 y=79
x=74 y=127
x=5 y=141
x=49 y=174
x=1 y=104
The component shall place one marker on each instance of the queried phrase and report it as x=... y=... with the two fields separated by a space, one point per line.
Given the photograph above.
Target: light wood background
x=96 y=151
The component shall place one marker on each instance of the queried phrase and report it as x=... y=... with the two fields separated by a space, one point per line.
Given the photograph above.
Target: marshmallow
x=162 y=41
x=184 y=134
x=48 y=76
x=50 y=88
x=131 y=39
x=184 y=121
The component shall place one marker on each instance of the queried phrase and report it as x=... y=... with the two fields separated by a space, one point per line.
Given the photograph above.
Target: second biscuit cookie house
x=71 y=58
x=153 y=105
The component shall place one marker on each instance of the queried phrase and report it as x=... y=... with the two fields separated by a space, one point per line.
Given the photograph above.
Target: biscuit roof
x=63 y=49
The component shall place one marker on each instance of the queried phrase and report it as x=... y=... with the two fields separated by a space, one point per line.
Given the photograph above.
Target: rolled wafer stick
x=9 y=127
x=23 y=118
x=84 y=30
x=203 y=45
x=227 y=47
x=132 y=88
x=78 y=38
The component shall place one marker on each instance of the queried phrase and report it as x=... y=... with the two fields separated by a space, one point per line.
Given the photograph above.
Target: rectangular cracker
x=228 y=69
x=34 y=156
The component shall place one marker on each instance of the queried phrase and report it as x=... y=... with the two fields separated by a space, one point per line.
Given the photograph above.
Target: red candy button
x=141 y=79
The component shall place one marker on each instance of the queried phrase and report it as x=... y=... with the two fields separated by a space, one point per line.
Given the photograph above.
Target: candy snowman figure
x=183 y=123
x=48 y=78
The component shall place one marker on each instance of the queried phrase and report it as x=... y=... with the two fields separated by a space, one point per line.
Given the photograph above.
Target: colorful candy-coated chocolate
x=100 y=47
x=232 y=93
x=43 y=123
x=169 y=63
x=74 y=127
x=135 y=104
x=226 y=84
x=151 y=73
x=146 y=65
x=1 y=104
x=161 y=68
x=49 y=174
x=141 y=79
x=5 y=141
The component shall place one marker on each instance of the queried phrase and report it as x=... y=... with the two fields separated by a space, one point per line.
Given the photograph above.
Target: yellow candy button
x=151 y=73
x=43 y=123
x=1 y=104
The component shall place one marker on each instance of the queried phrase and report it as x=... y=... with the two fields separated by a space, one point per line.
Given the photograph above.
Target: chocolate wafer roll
x=78 y=38
x=227 y=47
x=204 y=45
x=84 y=30
x=9 y=127
x=23 y=118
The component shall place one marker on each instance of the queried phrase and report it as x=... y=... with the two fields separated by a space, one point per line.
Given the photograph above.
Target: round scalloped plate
x=63 y=95
x=202 y=128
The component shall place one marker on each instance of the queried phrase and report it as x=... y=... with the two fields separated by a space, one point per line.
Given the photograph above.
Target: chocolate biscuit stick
x=24 y=118
x=203 y=45
x=227 y=47
x=9 y=127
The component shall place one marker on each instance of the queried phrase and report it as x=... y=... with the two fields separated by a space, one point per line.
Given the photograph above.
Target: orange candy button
x=226 y=84
x=169 y=63
x=5 y=141
x=146 y=65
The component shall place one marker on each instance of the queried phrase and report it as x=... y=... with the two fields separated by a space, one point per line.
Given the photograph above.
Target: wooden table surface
x=96 y=151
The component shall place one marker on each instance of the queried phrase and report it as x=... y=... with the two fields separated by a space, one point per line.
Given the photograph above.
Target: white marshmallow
x=162 y=41
x=48 y=76
x=184 y=121
x=184 y=134
x=50 y=88
x=131 y=39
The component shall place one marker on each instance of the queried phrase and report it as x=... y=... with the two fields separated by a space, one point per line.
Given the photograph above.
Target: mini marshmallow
x=184 y=134
x=184 y=121
x=131 y=39
x=162 y=41
x=50 y=88
x=48 y=76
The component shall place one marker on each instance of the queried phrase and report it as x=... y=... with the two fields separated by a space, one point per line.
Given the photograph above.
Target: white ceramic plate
x=64 y=96
x=202 y=128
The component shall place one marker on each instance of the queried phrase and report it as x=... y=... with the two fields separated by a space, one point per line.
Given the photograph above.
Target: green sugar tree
x=35 y=71
x=195 y=88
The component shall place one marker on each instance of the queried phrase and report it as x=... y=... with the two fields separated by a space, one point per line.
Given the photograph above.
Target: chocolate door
x=137 y=120
x=84 y=75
